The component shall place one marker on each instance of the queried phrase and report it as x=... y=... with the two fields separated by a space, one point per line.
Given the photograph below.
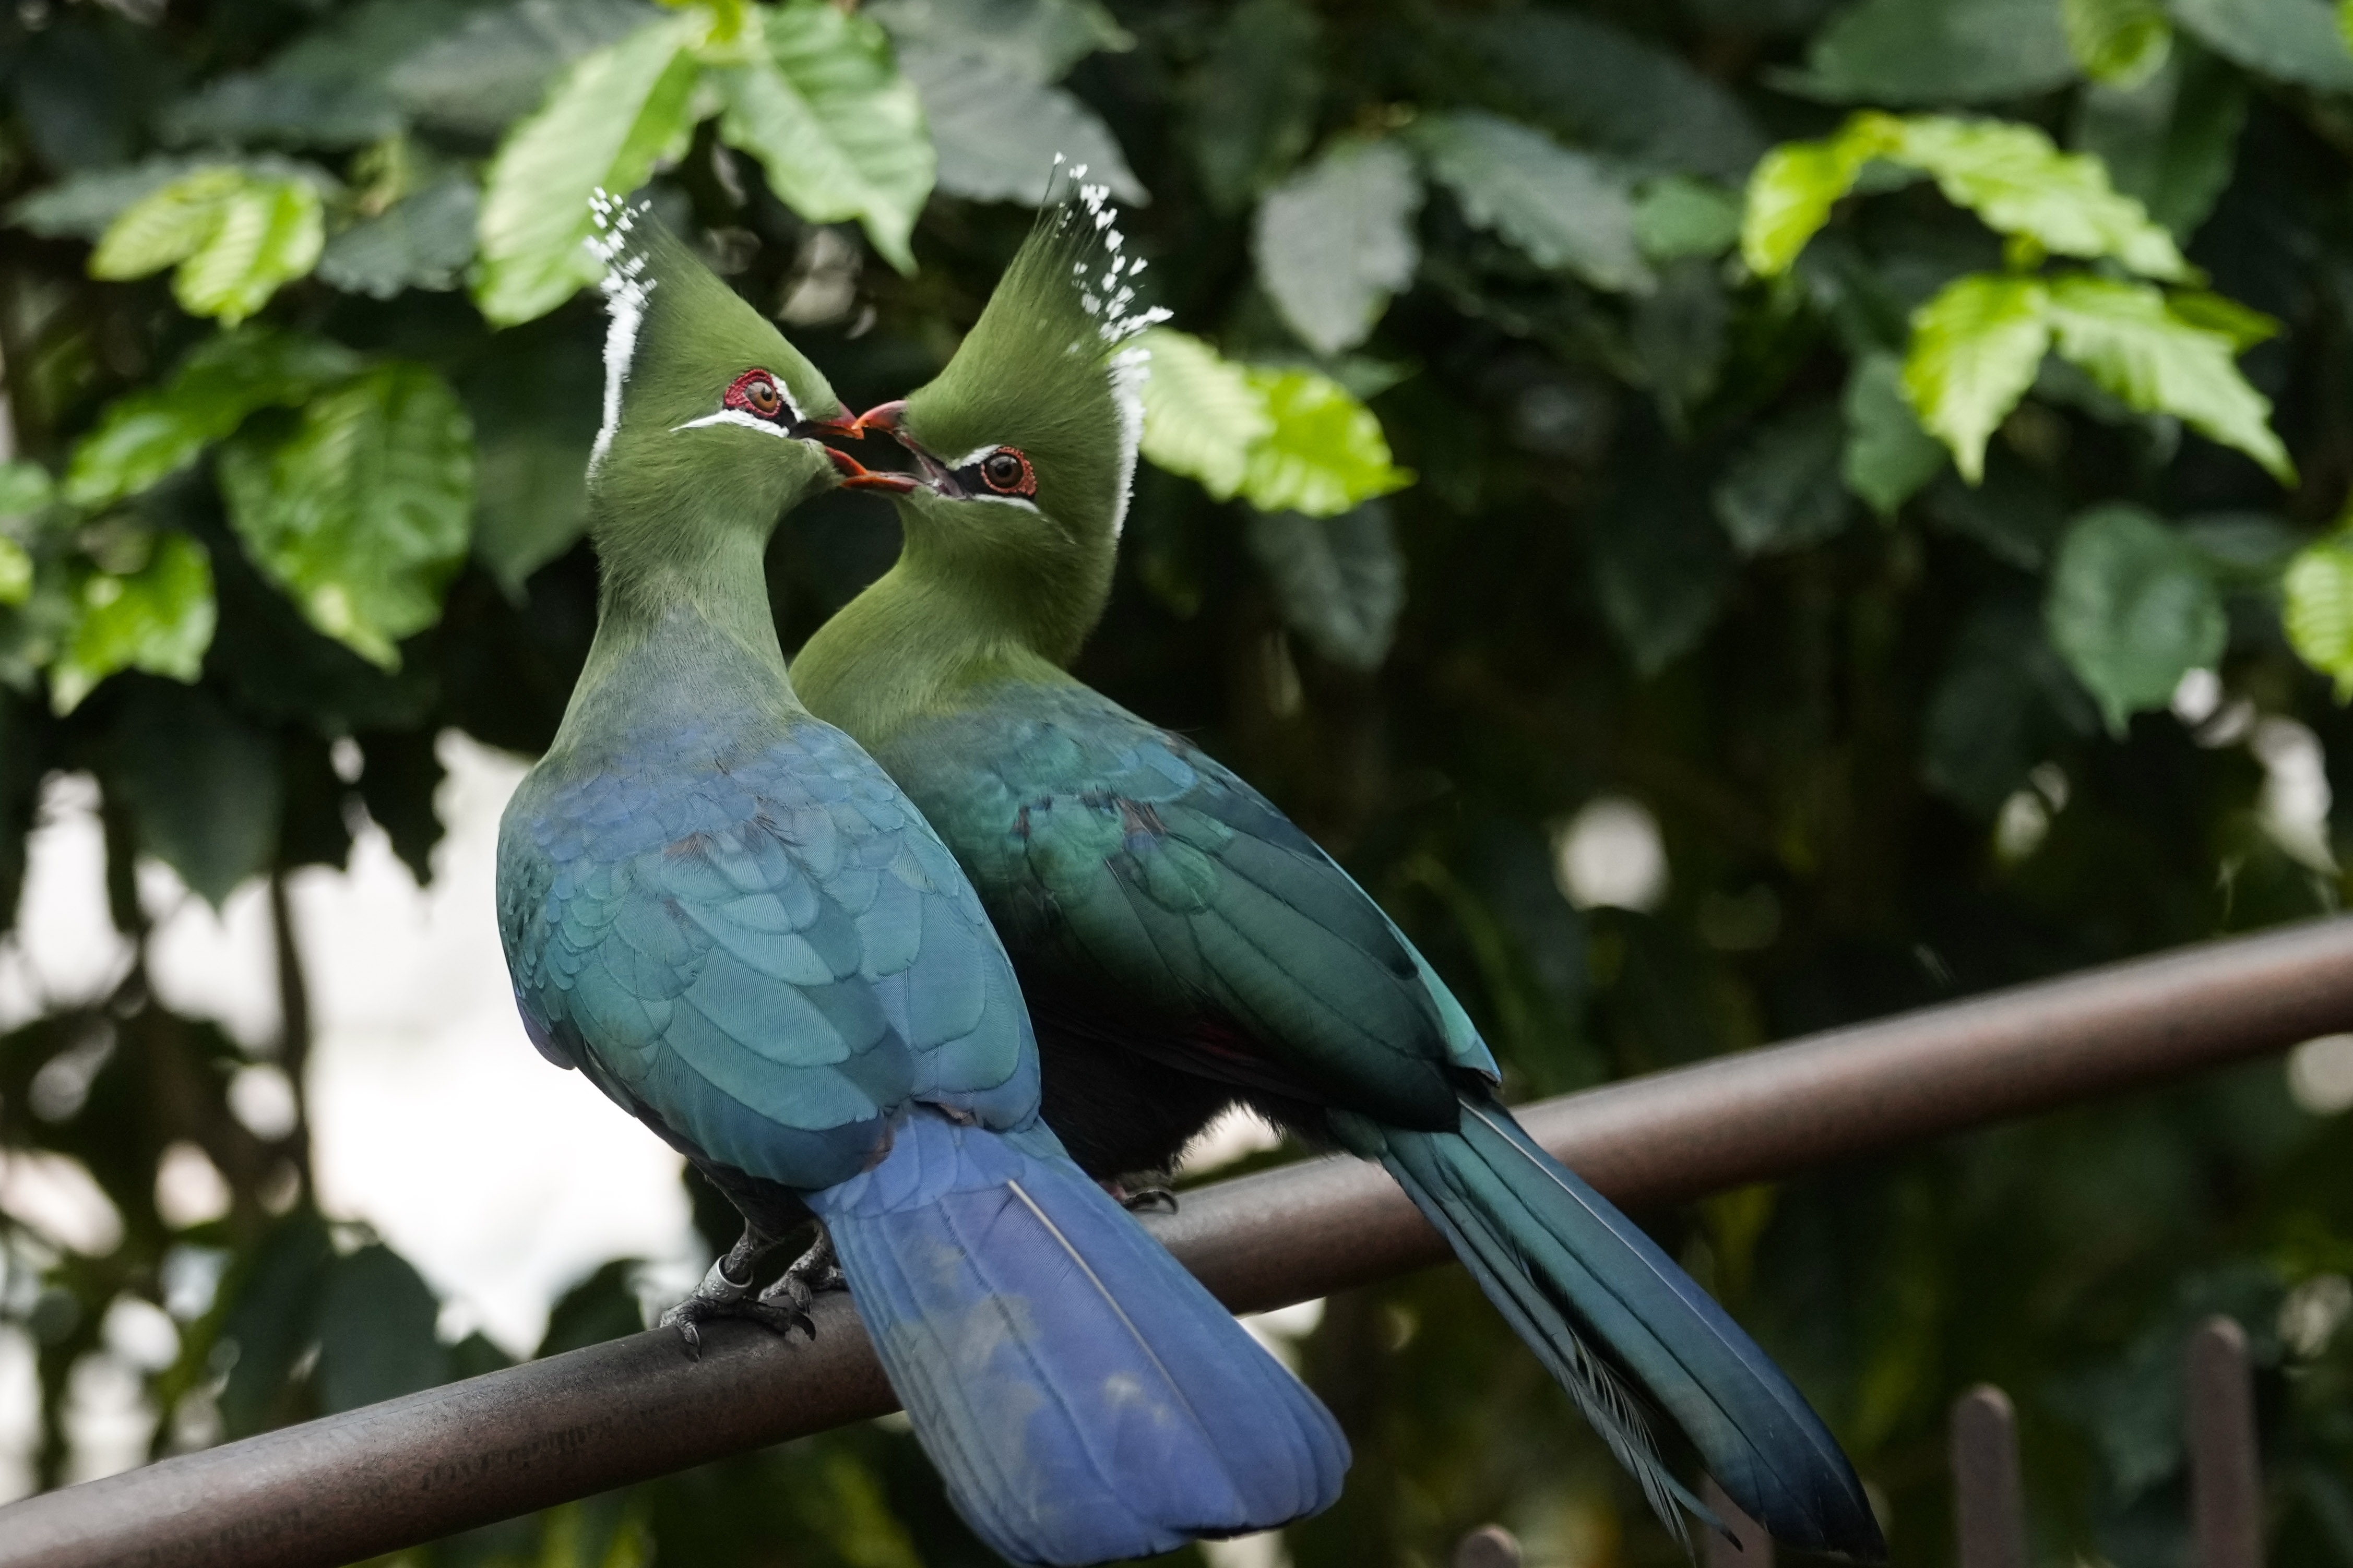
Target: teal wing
x=1119 y=859
x=765 y=948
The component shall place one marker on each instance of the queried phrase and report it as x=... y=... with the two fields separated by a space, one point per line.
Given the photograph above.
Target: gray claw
x=1149 y=1200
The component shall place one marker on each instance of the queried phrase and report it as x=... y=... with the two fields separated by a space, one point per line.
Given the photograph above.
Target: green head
x=1026 y=439
x=710 y=416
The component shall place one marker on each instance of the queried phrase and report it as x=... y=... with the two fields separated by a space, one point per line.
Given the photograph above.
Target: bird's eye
x=1007 y=472
x=756 y=391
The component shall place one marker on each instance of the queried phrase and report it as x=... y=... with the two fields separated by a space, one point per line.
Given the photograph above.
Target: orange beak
x=857 y=476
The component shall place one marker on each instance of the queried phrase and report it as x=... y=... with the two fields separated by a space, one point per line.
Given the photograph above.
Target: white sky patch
x=1610 y=854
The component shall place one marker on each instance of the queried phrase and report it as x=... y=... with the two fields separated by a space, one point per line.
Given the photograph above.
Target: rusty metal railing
x=373 y=1480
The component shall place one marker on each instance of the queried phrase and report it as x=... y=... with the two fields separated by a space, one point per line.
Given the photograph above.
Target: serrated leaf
x=609 y=119
x=159 y=618
x=2289 y=40
x=1339 y=581
x=2132 y=611
x=423 y=241
x=1783 y=490
x=165 y=226
x=2125 y=336
x=1202 y=413
x=1335 y=241
x=1794 y=186
x=86 y=204
x=2316 y=608
x=499 y=65
x=997 y=133
x=2119 y=43
x=1887 y=455
x=1939 y=51
x=2011 y=176
x=238 y=237
x=1036 y=41
x=1564 y=208
x=142 y=437
x=362 y=515
x=1975 y=347
x=2169 y=142
x=1324 y=453
x=839 y=132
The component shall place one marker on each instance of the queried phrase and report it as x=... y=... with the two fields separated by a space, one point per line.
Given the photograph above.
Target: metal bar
x=1988 y=1504
x=374 y=1480
x=2226 y=1483
x=1749 y=1547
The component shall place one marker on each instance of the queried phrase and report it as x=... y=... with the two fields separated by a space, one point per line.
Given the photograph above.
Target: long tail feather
x=1083 y=1396
x=1605 y=1307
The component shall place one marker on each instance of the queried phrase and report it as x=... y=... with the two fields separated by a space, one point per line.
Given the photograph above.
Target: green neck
x=682 y=632
x=939 y=623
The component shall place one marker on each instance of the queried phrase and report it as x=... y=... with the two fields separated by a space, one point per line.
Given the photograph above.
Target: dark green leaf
x=1340 y=581
x=201 y=784
x=1677 y=216
x=328 y=89
x=1660 y=564
x=375 y=1332
x=1785 y=488
x=2291 y=40
x=1335 y=241
x=2014 y=514
x=1253 y=100
x=1888 y=457
x=530 y=498
x=1680 y=330
x=2119 y=43
x=1034 y=40
x=423 y=241
x=997 y=132
x=1564 y=209
x=2170 y=142
x=400 y=770
x=602 y=1307
x=498 y=66
x=2004 y=703
x=2132 y=610
x=1907 y=52
x=272 y=1318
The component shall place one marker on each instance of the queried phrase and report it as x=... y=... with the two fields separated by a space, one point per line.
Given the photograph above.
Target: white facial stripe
x=1130 y=368
x=1024 y=502
x=975 y=456
x=736 y=417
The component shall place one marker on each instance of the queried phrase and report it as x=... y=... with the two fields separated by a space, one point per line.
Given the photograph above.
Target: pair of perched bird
x=932 y=942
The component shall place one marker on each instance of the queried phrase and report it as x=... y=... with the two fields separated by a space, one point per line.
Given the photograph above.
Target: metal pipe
x=1989 y=1501
x=374 y=1480
x=2226 y=1481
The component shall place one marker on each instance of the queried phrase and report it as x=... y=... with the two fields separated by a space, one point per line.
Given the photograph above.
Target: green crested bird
x=724 y=914
x=1183 y=946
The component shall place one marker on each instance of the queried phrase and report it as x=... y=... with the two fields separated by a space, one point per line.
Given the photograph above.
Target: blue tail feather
x=1083 y=1396
x=1606 y=1309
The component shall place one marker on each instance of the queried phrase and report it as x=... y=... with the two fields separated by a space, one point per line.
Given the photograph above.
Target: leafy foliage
x=1902 y=444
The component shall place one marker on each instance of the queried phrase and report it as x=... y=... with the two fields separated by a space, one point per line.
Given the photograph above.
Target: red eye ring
x=755 y=392
x=1007 y=472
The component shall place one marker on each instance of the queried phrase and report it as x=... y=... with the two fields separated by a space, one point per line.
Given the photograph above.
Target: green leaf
x=2004 y=703
x=328 y=88
x=1939 y=52
x=1784 y=491
x=499 y=65
x=1796 y=184
x=2011 y=176
x=86 y=206
x=1974 y=350
x=159 y=618
x=1678 y=216
x=363 y=513
x=1335 y=241
x=423 y=241
x=997 y=133
x=1661 y=561
x=376 y=1335
x=1202 y=413
x=530 y=498
x=1887 y=457
x=236 y=237
x=270 y=1315
x=1339 y=581
x=143 y=437
x=1562 y=208
x=25 y=487
x=1037 y=41
x=610 y=118
x=2290 y=41
x=837 y=130
x=2131 y=610
x=1252 y=101
x=2119 y=43
x=203 y=787
x=2160 y=363
x=2169 y=142
x=1325 y=452
x=16 y=573
x=2316 y=608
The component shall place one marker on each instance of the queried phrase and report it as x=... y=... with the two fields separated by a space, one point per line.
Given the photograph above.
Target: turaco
x=1183 y=946
x=721 y=910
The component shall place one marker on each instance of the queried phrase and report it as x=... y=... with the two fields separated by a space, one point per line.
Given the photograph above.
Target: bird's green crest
x=704 y=401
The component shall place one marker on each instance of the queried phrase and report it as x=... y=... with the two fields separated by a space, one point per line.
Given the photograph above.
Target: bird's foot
x=723 y=1291
x=1145 y=1200
x=697 y=1309
x=814 y=1271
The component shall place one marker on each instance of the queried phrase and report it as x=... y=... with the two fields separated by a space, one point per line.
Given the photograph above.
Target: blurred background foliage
x=1715 y=511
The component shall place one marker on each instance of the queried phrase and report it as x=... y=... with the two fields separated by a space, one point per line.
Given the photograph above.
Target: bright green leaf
x=2132 y=610
x=1975 y=348
x=236 y=238
x=1202 y=413
x=2316 y=608
x=1335 y=241
x=2119 y=43
x=16 y=573
x=1339 y=581
x=149 y=433
x=610 y=118
x=1796 y=184
x=2216 y=314
x=2012 y=177
x=837 y=130
x=2157 y=362
x=1325 y=453
x=159 y=618
x=362 y=515
x=1564 y=208
x=1887 y=455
